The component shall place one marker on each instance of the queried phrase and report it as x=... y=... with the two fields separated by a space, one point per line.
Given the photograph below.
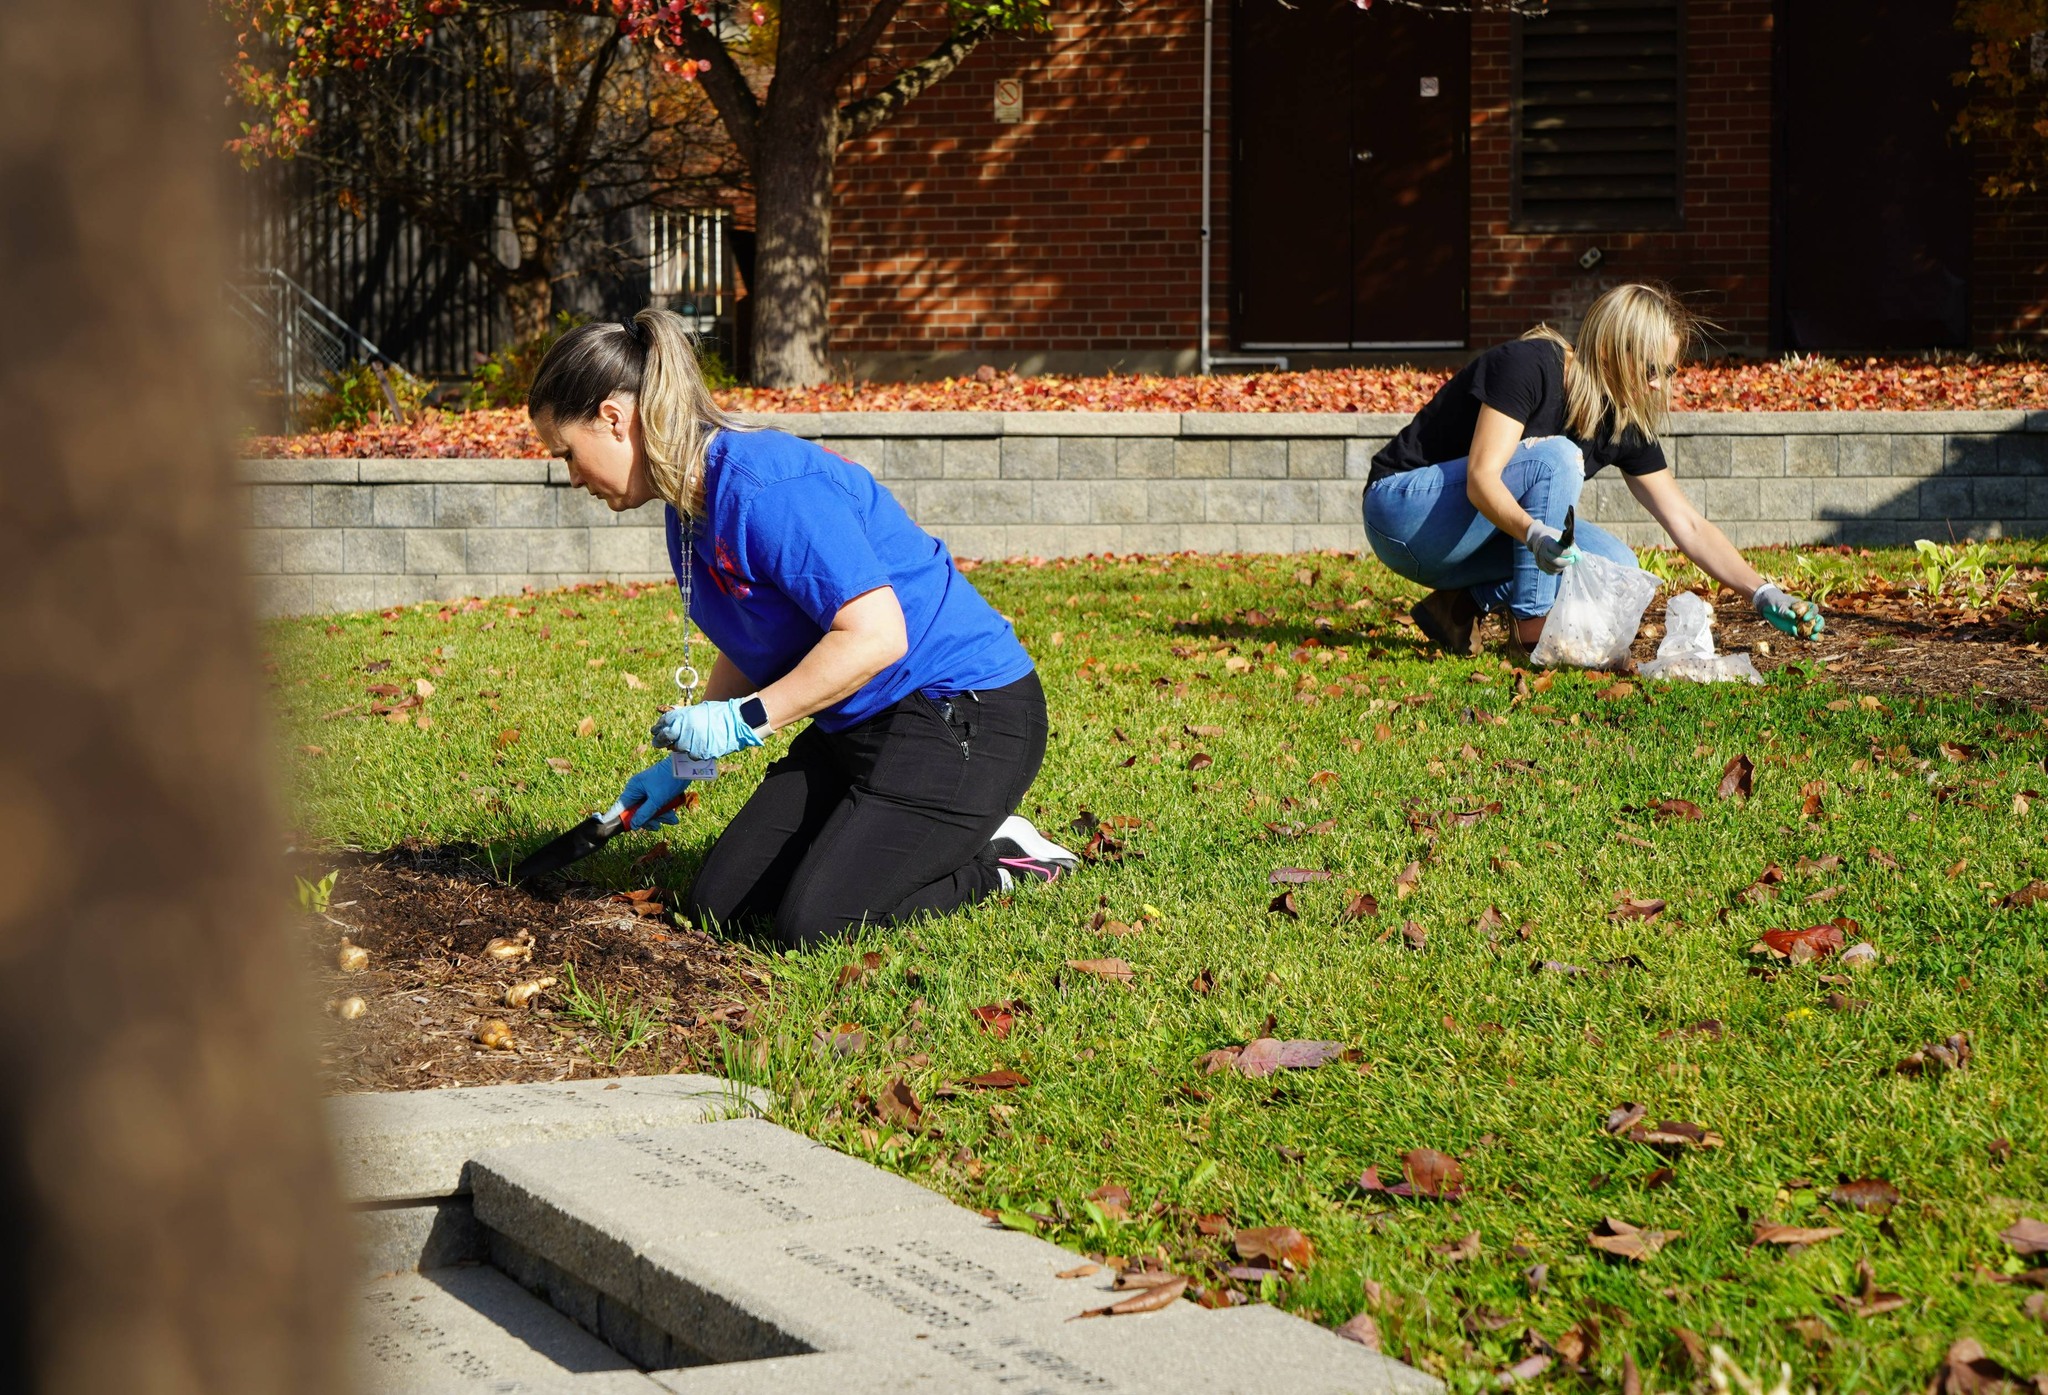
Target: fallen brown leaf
x=995 y=1080
x=1738 y=778
x=1295 y=876
x=1793 y=1236
x=1465 y=1247
x=1416 y=936
x=1114 y=1200
x=1283 y=904
x=1282 y=1244
x=1869 y=1302
x=1404 y=885
x=1675 y=809
x=899 y=1105
x=1115 y=969
x=1872 y=1194
x=1435 y=1175
x=1150 y=1300
x=1360 y=907
x=2026 y=1236
x=1632 y=1243
x=1360 y=1328
x=1627 y=907
x=995 y=1018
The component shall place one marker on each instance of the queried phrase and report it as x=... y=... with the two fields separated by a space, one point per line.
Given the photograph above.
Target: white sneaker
x=1021 y=849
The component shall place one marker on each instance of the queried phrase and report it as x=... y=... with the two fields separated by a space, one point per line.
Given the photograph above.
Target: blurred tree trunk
x=164 y=1182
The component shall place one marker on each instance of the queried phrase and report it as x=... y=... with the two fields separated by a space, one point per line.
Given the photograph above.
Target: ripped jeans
x=1422 y=525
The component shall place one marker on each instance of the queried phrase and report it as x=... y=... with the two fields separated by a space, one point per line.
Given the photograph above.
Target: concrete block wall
x=332 y=535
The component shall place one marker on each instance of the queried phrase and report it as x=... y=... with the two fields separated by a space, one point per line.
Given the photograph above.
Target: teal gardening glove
x=1801 y=619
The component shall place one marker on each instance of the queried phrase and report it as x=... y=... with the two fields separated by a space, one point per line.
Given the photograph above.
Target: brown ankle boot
x=1451 y=621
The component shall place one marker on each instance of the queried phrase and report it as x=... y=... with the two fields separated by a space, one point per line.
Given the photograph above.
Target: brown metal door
x=1291 y=180
x=1349 y=183
x=1874 y=194
x=1408 y=191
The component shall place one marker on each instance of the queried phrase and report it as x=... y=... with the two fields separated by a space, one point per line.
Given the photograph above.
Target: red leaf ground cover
x=1784 y=385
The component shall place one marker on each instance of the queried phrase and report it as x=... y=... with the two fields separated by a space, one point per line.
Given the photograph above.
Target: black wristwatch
x=754 y=713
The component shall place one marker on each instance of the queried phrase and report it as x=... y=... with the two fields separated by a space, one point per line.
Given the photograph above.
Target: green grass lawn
x=1335 y=743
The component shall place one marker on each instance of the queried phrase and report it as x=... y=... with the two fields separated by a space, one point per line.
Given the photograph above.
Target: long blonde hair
x=654 y=361
x=1607 y=373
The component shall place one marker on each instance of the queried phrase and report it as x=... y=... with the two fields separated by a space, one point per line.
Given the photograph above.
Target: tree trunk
x=530 y=298
x=798 y=139
x=165 y=1187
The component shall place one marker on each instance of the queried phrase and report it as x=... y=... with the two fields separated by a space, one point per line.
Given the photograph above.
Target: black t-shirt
x=1523 y=379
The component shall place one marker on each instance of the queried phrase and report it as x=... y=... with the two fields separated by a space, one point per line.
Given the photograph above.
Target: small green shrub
x=718 y=375
x=503 y=378
x=362 y=393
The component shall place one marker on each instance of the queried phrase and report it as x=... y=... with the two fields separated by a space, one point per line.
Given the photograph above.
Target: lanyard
x=685 y=767
x=686 y=672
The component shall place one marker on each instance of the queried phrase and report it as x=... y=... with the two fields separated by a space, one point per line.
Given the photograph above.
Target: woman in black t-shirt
x=1470 y=498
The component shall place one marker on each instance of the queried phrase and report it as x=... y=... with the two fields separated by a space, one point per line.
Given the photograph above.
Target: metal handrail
x=305 y=337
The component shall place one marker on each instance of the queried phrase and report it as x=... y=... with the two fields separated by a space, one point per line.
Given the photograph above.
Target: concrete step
x=414 y=1144
x=741 y=1249
x=461 y=1330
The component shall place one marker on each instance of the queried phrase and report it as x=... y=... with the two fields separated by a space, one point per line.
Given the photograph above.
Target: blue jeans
x=1422 y=525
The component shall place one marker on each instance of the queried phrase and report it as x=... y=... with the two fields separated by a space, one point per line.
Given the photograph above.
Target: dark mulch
x=1880 y=645
x=426 y=916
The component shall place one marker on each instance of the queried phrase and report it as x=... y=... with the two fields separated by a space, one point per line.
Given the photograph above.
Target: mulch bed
x=1885 y=644
x=426 y=916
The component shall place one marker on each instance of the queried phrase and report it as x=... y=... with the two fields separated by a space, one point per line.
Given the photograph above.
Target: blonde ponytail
x=678 y=416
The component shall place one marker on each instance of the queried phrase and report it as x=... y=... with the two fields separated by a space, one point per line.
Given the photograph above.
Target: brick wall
x=1720 y=259
x=1074 y=230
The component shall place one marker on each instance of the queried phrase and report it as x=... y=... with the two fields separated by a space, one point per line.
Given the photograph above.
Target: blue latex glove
x=706 y=730
x=654 y=788
x=1547 y=543
x=1801 y=619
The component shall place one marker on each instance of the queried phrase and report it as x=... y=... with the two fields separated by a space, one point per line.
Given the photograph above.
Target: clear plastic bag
x=1599 y=607
x=1688 y=647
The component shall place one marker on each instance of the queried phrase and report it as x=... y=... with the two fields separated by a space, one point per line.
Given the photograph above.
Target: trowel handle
x=1571 y=528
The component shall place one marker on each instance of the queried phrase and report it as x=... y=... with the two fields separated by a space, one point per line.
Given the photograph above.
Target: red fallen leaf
x=1632 y=1243
x=995 y=1080
x=1115 y=1201
x=1150 y=1300
x=1283 y=904
x=1675 y=809
x=2026 y=1236
x=899 y=1105
x=1737 y=778
x=1201 y=760
x=1295 y=876
x=1204 y=982
x=1794 y=1236
x=995 y=1018
x=1361 y=906
x=1628 y=907
x=1435 y=1175
x=1805 y=946
x=1360 y=1328
x=1282 y=1244
x=1212 y=1224
x=384 y=689
x=1872 y=1194
x=1466 y=818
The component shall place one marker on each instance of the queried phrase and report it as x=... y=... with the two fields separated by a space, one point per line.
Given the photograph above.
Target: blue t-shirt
x=791 y=532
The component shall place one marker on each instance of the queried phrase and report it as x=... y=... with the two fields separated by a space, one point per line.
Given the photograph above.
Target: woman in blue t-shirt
x=1470 y=498
x=927 y=722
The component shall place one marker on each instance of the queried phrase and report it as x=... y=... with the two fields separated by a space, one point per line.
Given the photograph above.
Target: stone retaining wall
x=330 y=535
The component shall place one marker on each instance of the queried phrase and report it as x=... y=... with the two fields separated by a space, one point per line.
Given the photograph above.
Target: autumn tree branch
x=865 y=113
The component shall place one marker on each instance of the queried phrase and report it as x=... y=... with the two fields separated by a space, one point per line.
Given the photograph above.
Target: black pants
x=881 y=822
